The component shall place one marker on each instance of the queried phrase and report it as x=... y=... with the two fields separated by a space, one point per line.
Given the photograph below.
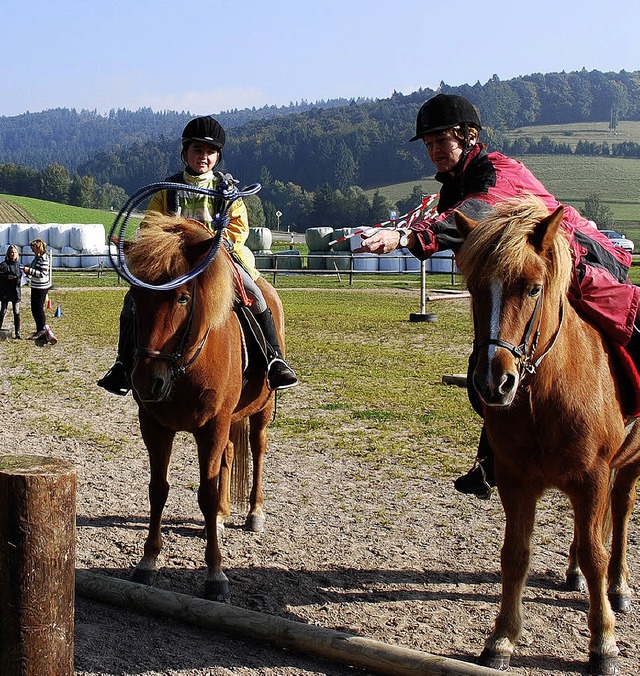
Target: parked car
x=619 y=239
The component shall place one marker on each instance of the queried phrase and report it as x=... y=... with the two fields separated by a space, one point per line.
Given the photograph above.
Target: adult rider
x=473 y=180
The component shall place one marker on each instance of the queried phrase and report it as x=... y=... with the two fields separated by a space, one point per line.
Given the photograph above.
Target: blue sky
x=207 y=56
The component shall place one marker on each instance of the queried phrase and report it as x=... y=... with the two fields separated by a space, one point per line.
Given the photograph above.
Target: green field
x=593 y=132
x=571 y=178
x=42 y=211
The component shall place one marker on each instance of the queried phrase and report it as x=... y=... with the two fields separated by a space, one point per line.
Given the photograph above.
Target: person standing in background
x=10 y=287
x=39 y=274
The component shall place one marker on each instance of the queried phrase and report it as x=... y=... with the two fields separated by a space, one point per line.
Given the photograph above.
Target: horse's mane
x=500 y=246
x=167 y=247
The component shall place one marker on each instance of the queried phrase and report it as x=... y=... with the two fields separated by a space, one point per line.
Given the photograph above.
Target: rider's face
x=201 y=157
x=444 y=148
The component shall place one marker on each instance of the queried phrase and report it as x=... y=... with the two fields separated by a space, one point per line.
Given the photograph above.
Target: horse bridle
x=525 y=352
x=175 y=357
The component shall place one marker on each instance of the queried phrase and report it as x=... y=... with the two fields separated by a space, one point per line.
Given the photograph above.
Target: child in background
x=10 y=287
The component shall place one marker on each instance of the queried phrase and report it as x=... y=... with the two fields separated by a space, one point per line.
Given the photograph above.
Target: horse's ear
x=543 y=235
x=464 y=224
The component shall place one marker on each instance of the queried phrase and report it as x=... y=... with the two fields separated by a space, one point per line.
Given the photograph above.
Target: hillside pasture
x=571 y=134
x=571 y=178
x=364 y=534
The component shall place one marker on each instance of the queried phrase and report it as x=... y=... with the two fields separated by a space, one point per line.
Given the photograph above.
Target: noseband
x=525 y=352
x=175 y=358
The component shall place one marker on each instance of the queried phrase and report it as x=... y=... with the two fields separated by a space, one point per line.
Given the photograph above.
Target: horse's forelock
x=500 y=246
x=160 y=251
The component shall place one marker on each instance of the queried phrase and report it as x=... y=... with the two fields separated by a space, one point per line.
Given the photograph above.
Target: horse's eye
x=183 y=299
x=534 y=291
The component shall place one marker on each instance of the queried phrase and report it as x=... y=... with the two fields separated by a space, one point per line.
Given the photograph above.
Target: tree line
x=312 y=159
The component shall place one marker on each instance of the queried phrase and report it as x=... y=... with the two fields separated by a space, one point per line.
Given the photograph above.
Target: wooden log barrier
x=341 y=647
x=37 y=565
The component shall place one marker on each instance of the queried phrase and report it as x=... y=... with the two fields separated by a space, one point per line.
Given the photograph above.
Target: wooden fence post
x=37 y=565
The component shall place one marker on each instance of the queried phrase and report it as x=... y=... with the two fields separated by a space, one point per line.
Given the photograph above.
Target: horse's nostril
x=508 y=383
x=157 y=386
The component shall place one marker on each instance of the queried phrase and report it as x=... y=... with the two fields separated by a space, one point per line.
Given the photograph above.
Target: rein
x=525 y=352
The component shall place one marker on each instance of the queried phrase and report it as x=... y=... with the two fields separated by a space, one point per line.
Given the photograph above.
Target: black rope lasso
x=226 y=191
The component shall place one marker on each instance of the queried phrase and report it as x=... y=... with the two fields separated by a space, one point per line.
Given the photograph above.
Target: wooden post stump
x=37 y=565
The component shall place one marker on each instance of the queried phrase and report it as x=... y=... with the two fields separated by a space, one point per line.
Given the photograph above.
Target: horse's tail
x=239 y=437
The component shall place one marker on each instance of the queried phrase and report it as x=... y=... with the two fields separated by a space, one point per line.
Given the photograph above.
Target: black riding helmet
x=206 y=130
x=445 y=111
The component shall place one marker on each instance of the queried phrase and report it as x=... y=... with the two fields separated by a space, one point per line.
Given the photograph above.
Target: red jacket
x=600 y=290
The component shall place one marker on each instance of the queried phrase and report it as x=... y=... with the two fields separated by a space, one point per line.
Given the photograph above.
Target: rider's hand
x=381 y=242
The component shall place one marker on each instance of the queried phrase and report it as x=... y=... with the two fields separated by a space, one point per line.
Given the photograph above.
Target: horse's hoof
x=217 y=590
x=142 y=576
x=603 y=665
x=255 y=524
x=620 y=603
x=575 y=582
x=493 y=660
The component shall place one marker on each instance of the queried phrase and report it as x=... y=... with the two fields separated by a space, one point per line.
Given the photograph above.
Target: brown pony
x=189 y=375
x=553 y=411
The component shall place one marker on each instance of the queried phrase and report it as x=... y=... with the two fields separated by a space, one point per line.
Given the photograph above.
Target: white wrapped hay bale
x=54 y=252
x=69 y=258
x=411 y=263
x=442 y=261
x=39 y=231
x=19 y=234
x=259 y=239
x=365 y=262
x=26 y=255
x=59 y=234
x=391 y=262
x=87 y=236
x=318 y=239
x=92 y=258
x=5 y=231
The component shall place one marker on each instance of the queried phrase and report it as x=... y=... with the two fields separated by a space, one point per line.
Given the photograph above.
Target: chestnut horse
x=190 y=375
x=553 y=411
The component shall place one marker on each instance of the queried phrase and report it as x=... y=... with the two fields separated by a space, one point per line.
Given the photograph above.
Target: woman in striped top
x=39 y=274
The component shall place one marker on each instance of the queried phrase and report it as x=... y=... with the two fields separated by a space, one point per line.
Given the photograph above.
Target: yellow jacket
x=200 y=207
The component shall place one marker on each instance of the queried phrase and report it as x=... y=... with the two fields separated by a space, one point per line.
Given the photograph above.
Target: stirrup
x=474 y=482
x=115 y=380
x=290 y=378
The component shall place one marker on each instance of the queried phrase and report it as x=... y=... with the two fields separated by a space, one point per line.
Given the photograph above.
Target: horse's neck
x=218 y=294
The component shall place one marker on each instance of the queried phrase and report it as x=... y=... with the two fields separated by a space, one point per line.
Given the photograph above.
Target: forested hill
x=70 y=137
x=337 y=143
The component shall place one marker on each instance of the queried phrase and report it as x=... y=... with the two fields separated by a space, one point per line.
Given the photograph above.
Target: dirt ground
x=401 y=559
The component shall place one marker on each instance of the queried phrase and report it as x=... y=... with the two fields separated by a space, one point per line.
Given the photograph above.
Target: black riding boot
x=279 y=375
x=480 y=479
x=117 y=379
x=16 y=326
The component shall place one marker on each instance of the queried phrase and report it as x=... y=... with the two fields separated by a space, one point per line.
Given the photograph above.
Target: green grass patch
x=44 y=211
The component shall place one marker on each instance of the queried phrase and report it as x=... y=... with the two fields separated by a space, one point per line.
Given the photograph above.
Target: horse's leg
x=212 y=440
x=574 y=579
x=159 y=441
x=224 y=502
x=258 y=441
x=623 y=499
x=519 y=507
x=589 y=502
